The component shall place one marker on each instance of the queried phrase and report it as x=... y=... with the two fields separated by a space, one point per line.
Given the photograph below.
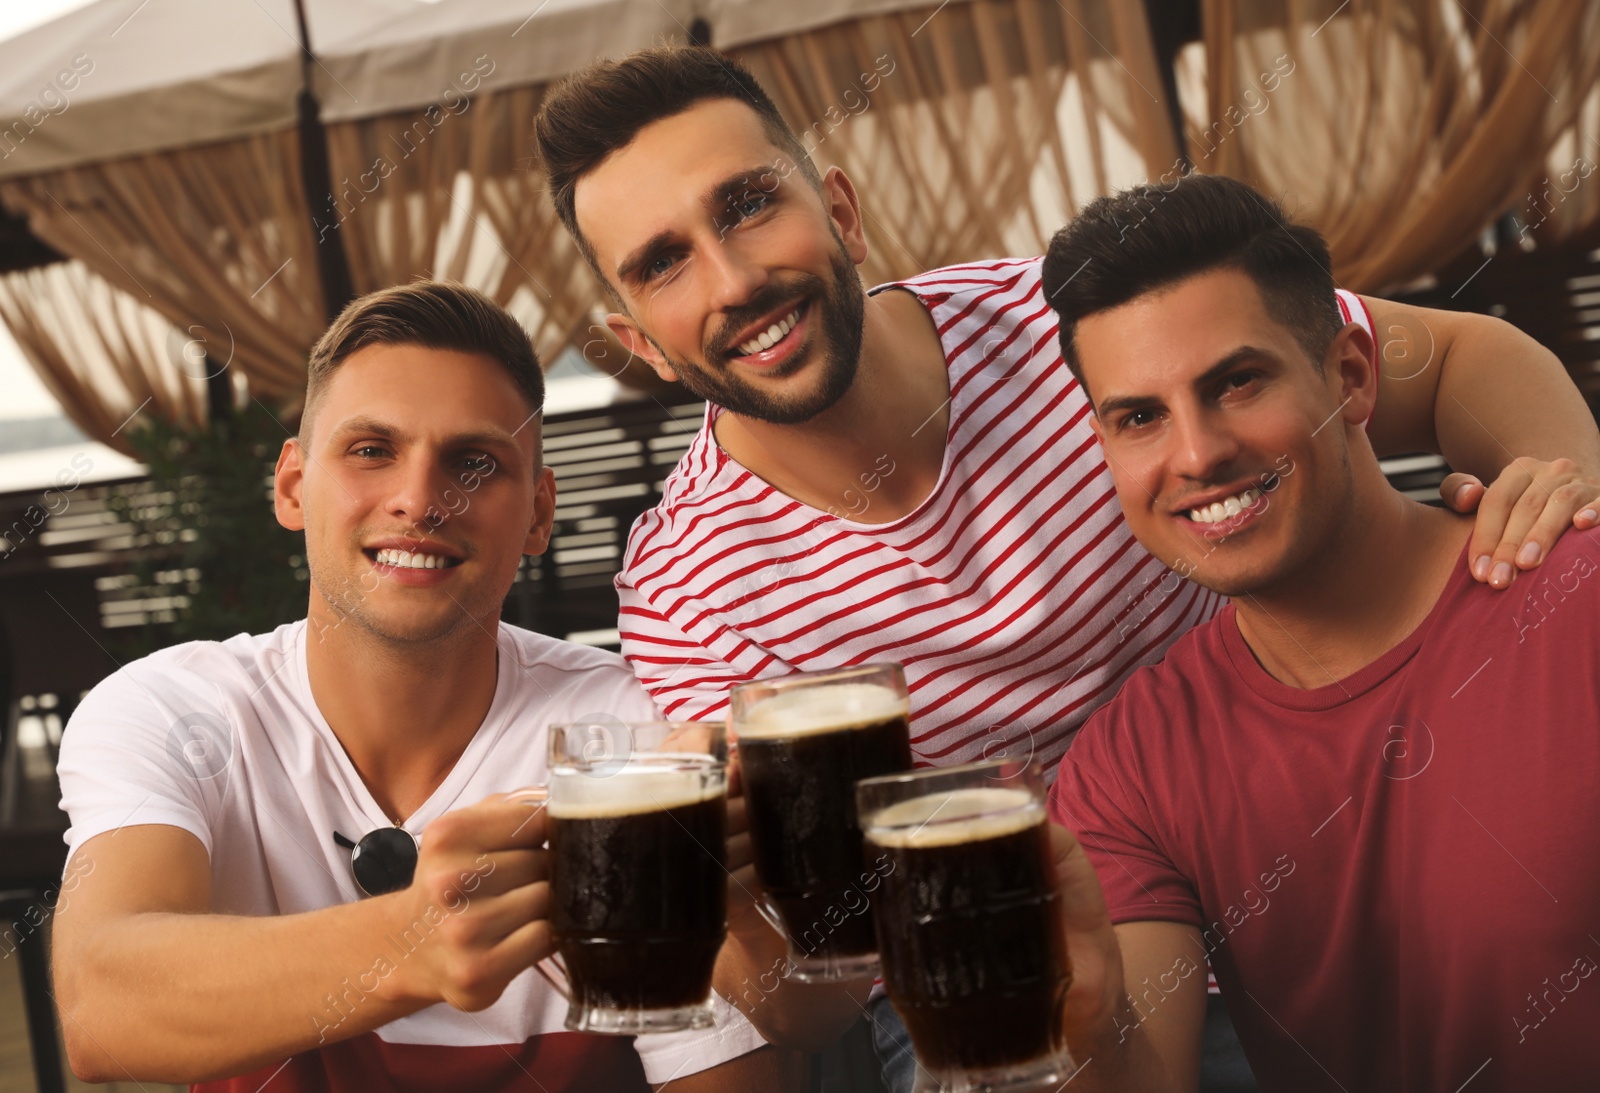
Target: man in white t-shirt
x=911 y=475
x=217 y=930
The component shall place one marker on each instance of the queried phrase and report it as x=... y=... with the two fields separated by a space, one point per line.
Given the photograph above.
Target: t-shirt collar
x=1251 y=675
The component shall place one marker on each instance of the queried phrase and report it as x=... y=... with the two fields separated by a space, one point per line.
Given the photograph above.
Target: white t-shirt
x=224 y=740
x=1015 y=595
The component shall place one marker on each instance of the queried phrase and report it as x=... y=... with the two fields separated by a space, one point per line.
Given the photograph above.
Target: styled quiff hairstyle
x=600 y=109
x=1125 y=245
x=432 y=315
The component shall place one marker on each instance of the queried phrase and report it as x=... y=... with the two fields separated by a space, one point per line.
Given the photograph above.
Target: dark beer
x=801 y=754
x=638 y=888
x=972 y=953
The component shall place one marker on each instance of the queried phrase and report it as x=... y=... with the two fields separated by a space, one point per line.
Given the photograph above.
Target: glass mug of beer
x=637 y=819
x=969 y=924
x=804 y=740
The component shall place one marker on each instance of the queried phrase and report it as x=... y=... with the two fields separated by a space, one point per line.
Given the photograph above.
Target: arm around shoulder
x=1474 y=389
x=1505 y=415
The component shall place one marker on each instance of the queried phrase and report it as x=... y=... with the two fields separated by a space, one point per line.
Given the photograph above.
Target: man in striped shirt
x=909 y=474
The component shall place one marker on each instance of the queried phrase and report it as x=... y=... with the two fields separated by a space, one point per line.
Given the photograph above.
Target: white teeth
x=405 y=559
x=772 y=335
x=1225 y=509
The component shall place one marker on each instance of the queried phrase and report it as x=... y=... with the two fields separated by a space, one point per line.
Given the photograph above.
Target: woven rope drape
x=975 y=130
x=985 y=126
x=103 y=355
x=1399 y=128
x=215 y=239
x=952 y=125
x=451 y=193
x=1565 y=201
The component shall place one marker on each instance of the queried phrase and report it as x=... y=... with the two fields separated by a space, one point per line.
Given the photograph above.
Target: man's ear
x=626 y=331
x=1352 y=373
x=844 y=209
x=544 y=513
x=286 y=481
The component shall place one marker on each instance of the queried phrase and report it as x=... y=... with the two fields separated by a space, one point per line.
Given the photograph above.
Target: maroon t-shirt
x=1397 y=875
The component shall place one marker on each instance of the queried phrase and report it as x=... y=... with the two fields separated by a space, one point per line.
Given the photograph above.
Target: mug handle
x=555 y=974
x=550 y=969
x=769 y=911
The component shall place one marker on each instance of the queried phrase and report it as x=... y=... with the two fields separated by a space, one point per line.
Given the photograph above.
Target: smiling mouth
x=1228 y=507
x=407 y=559
x=772 y=335
x=1230 y=514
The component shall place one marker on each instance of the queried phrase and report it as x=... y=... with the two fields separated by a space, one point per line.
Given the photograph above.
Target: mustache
x=1265 y=482
x=768 y=299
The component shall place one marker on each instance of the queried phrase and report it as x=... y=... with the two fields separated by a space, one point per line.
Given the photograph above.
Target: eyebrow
x=368 y=426
x=719 y=196
x=1209 y=376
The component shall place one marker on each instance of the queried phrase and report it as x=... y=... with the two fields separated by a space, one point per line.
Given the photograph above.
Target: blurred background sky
x=22 y=396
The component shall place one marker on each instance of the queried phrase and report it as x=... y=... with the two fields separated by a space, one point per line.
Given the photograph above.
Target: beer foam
x=629 y=791
x=956 y=816
x=808 y=710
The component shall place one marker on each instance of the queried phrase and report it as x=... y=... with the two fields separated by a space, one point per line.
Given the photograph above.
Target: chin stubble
x=839 y=317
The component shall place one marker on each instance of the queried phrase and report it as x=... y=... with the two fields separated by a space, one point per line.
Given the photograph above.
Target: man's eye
x=1138 y=418
x=749 y=205
x=659 y=266
x=1240 y=380
x=370 y=451
x=481 y=464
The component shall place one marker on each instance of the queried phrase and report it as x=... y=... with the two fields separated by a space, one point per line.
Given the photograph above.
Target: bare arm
x=1501 y=409
x=752 y=969
x=1136 y=1008
x=751 y=974
x=151 y=985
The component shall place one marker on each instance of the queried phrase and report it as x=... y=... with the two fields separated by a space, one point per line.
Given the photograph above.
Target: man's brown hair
x=432 y=315
x=1146 y=238
x=601 y=108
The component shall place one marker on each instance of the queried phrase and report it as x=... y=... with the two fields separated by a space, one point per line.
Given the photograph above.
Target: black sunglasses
x=383 y=861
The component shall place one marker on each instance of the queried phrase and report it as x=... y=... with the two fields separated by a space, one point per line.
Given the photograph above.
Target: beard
x=1316 y=533
x=840 y=312
x=347 y=596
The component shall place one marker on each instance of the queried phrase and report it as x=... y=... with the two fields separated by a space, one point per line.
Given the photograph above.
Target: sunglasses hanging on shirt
x=383 y=861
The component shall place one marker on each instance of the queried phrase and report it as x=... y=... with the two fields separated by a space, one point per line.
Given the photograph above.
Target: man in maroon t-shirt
x=1366 y=790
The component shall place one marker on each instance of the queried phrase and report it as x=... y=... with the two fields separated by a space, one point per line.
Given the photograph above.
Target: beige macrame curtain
x=104 y=356
x=213 y=238
x=1564 y=201
x=972 y=129
x=452 y=194
x=975 y=130
x=1400 y=128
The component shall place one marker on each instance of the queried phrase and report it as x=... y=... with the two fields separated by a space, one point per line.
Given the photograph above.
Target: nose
x=415 y=487
x=1202 y=445
x=734 y=277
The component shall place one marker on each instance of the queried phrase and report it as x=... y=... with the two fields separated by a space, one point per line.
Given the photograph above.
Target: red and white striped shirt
x=1015 y=595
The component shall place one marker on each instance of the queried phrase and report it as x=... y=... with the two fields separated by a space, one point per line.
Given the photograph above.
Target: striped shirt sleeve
x=687 y=682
